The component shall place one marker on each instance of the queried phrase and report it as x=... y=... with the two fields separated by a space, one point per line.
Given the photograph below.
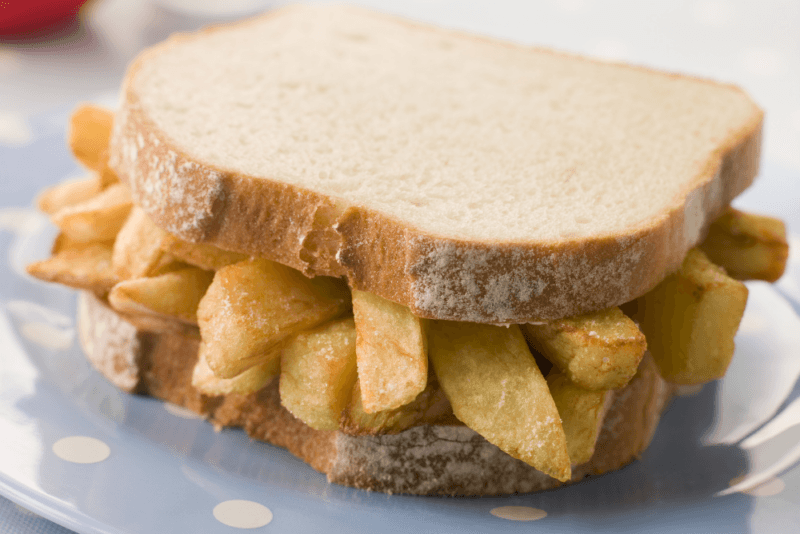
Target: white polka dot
x=610 y=50
x=14 y=129
x=180 y=411
x=81 y=450
x=769 y=488
x=762 y=62
x=242 y=514
x=713 y=13
x=48 y=336
x=518 y=513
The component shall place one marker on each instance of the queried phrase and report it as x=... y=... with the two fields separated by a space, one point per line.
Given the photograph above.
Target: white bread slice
x=467 y=178
x=443 y=459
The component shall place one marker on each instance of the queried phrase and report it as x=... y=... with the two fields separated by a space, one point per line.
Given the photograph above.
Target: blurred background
x=57 y=53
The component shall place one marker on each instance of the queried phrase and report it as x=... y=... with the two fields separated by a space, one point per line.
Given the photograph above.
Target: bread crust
x=423 y=460
x=436 y=276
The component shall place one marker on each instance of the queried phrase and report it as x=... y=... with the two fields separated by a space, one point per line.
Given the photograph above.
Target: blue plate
x=723 y=460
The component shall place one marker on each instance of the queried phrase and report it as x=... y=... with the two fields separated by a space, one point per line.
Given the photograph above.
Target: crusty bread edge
x=437 y=277
x=445 y=460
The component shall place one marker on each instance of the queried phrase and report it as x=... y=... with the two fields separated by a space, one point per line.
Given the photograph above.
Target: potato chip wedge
x=392 y=352
x=172 y=295
x=68 y=193
x=253 y=305
x=161 y=324
x=747 y=246
x=89 y=133
x=79 y=265
x=431 y=407
x=137 y=249
x=97 y=219
x=598 y=350
x=250 y=381
x=201 y=255
x=582 y=412
x=690 y=320
x=63 y=242
x=318 y=369
x=107 y=176
x=495 y=388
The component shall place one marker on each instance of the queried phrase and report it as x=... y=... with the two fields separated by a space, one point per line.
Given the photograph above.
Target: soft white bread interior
x=466 y=178
x=438 y=459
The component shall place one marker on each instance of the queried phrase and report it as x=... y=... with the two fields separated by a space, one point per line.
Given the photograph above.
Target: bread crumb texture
x=426 y=125
x=466 y=150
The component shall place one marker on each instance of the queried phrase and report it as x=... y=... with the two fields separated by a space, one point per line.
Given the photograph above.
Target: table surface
x=755 y=45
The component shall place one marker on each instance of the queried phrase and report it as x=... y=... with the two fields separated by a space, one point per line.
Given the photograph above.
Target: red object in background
x=21 y=17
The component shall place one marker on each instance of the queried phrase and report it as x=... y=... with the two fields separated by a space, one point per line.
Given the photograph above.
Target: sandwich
x=422 y=261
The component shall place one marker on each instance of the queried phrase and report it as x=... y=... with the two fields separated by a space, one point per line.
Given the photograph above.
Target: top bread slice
x=467 y=178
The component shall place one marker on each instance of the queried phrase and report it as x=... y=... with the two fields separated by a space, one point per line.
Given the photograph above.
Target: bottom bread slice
x=441 y=460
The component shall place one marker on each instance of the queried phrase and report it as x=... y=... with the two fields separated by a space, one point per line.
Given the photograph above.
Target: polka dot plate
x=78 y=451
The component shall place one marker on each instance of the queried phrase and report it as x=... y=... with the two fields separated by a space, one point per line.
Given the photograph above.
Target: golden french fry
x=97 y=219
x=318 y=369
x=63 y=242
x=690 y=320
x=172 y=295
x=81 y=265
x=392 y=352
x=495 y=388
x=161 y=324
x=582 y=411
x=250 y=381
x=107 y=177
x=201 y=255
x=253 y=305
x=431 y=407
x=598 y=350
x=137 y=249
x=747 y=246
x=67 y=193
x=89 y=132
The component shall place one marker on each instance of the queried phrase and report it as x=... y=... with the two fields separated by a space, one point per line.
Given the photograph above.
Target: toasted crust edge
x=456 y=461
x=428 y=273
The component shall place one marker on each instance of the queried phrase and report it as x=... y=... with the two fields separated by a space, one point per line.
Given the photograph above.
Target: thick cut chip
x=63 y=242
x=97 y=219
x=79 y=265
x=107 y=177
x=89 y=132
x=137 y=249
x=67 y=193
x=172 y=295
x=747 y=246
x=161 y=324
x=318 y=369
x=582 y=411
x=495 y=388
x=392 y=352
x=202 y=255
x=253 y=305
x=690 y=320
x=598 y=350
x=250 y=381
x=431 y=407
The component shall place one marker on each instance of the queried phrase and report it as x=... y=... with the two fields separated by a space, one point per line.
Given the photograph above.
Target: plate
x=81 y=453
